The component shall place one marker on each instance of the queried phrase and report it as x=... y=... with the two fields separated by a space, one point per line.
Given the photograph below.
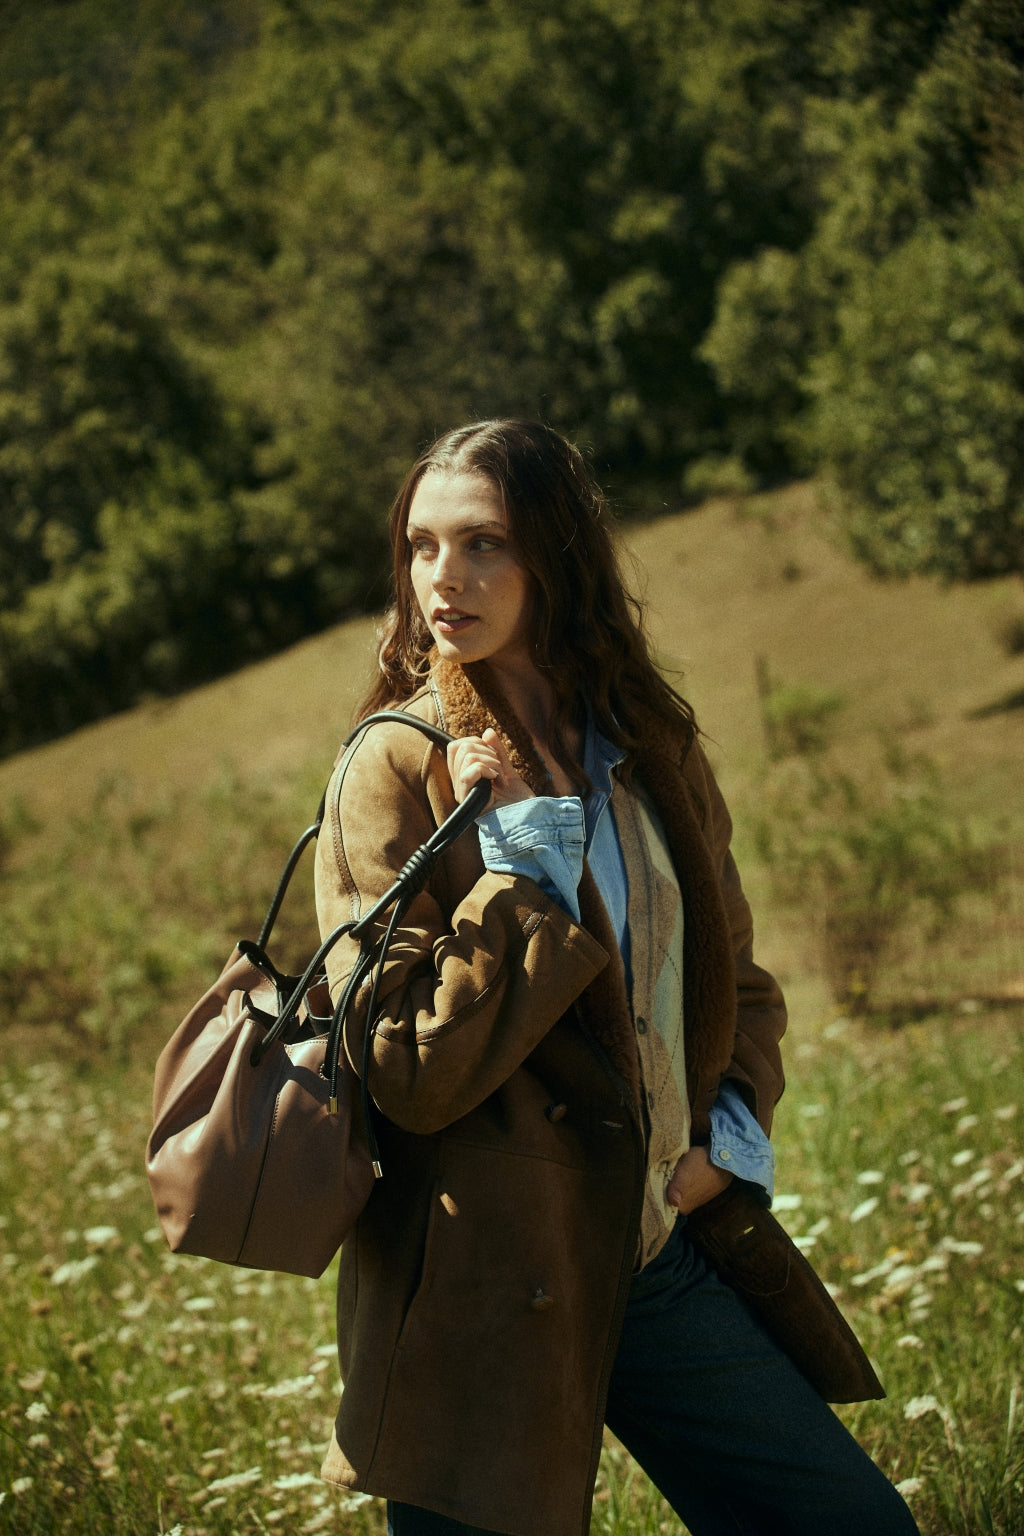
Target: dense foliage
x=257 y=251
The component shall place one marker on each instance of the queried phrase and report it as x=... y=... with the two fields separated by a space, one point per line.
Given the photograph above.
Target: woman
x=574 y=1050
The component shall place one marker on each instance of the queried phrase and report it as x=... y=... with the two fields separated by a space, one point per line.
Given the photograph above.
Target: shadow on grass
x=1002 y=706
x=897 y=1015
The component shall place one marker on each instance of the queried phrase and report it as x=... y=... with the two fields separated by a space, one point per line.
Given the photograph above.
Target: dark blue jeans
x=723 y=1424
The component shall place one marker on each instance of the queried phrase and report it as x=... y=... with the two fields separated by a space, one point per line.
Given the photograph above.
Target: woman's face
x=473 y=590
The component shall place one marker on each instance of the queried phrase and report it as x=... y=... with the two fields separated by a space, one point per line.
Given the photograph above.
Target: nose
x=447 y=574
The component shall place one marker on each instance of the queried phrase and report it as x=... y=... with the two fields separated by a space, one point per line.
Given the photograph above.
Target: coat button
x=641 y=1026
x=556 y=1112
x=540 y=1301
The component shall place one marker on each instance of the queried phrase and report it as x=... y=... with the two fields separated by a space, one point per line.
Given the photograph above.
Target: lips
x=451 y=621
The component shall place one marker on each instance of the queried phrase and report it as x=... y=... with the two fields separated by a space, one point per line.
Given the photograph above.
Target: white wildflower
x=1005 y=1112
x=99 y=1237
x=919 y=1406
x=966 y=1123
x=909 y=1341
x=295 y=1480
x=199 y=1304
x=952 y=1245
x=909 y=1486
x=906 y=1158
x=318 y=1522
x=899 y=1281
x=889 y=1263
x=865 y=1208
x=960 y=1158
x=870 y=1176
x=73 y=1270
x=913 y=1194
x=21 y=1485
x=954 y=1106
x=235 y=1480
x=179 y=1394
x=35 y=1412
x=355 y=1501
x=289 y=1388
x=787 y=1202
x=804 y=1242
x=972 y=1184
x=812 y=1111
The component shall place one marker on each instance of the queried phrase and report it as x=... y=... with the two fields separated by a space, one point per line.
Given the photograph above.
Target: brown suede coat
x=482 y=1292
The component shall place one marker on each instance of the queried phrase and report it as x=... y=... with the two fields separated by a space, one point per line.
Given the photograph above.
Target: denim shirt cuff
x=542 y=838
x=738 y=1144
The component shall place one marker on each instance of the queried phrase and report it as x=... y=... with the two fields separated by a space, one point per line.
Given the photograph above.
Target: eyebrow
x=467 y=527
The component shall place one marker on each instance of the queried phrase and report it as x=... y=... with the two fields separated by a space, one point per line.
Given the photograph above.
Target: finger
x=468 y=762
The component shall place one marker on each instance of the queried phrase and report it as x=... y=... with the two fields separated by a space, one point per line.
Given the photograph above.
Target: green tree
x=916 y=113
x=919 y=403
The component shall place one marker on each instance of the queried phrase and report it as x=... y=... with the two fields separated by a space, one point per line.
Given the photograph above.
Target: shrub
x=798 y=718
x=863 y=859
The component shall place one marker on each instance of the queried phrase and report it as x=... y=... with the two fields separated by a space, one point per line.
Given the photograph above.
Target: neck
x=530 y=695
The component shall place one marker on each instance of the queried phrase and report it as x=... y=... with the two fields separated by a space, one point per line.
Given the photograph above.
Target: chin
x=451 y=650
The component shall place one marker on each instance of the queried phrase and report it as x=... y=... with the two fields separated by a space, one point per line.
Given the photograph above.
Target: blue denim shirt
x=546 y=838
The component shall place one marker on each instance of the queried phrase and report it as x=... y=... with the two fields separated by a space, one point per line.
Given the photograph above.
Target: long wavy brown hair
x=589 y=635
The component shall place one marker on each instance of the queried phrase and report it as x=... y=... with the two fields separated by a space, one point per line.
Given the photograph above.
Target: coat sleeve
x=756 y=1063
x=480 y=968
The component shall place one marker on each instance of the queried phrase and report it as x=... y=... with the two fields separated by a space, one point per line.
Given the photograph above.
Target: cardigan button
x=541 y=1302
x=556 y=1112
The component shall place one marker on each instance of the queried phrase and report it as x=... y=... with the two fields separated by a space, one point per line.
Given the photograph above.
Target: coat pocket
x=758 y=1258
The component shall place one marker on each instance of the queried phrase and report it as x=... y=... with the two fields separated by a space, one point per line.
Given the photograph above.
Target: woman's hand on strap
x=696 y=1180
x=472 y=758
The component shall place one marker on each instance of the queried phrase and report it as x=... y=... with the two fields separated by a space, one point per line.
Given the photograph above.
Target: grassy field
x=141 y=1392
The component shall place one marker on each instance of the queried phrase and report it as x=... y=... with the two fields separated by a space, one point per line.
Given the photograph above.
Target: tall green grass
x=145 y=1392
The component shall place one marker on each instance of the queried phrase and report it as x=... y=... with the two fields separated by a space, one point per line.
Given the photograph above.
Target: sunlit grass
x=141 y=1391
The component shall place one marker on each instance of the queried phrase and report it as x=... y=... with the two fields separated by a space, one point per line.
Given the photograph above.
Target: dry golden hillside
x=726 y=584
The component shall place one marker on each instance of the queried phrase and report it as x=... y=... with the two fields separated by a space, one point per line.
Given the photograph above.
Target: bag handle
x=410 y=880
x=396 y=716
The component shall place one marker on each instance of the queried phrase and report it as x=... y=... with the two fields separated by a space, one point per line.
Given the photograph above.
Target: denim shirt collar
x=600 y=758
